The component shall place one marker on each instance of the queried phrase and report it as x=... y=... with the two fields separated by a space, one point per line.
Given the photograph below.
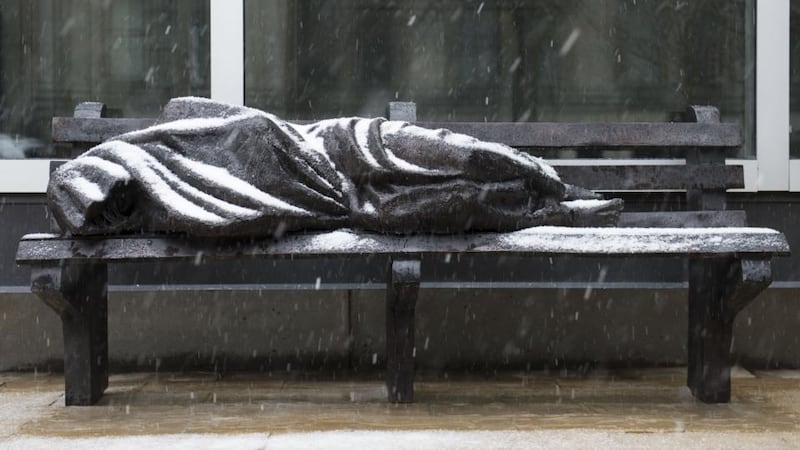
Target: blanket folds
x=212 y=169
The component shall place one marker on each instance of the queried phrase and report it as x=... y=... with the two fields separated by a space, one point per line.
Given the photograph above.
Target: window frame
x=771 y=170
x=772 y=96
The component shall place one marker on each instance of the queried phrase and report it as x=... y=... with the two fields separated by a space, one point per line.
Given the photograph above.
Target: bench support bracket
x=718 y=289
x=402 y=290
x=78 y=294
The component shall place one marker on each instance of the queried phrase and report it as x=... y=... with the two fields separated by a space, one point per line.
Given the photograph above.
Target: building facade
x=505 y=60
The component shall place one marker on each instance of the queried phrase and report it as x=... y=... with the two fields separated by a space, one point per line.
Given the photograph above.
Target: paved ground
x=629 y=408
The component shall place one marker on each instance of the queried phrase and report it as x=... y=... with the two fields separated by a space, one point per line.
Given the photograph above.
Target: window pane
x=794 y=78
x=537 y=60
x=132 y=55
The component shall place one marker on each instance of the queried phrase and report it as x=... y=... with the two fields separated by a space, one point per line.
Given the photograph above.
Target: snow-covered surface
x=343 y=239
x=165 y=184
x=185 y=126
x=611 y=231
x=32 y=415
x=536 y=240
x=402 y=164
x=585 y=204
x=549 y=240
x=368 y=208
x=419 y=440
x=222 y=179
x=16 y=408
x=33 y=236
x=635 y=240
x=184 y=200
x=465 y=141
x=361 y=131
x=112 y=169
x=89 y=189
x=361 y=128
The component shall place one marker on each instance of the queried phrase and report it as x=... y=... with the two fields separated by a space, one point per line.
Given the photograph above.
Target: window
x=794 y=77
x=536 y=60
x=133 y=55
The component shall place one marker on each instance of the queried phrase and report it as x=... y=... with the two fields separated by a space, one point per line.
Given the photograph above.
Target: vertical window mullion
x=772 y=94
x=227 y=51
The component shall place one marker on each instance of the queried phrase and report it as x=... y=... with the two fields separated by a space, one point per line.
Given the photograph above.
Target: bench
x=729 y=264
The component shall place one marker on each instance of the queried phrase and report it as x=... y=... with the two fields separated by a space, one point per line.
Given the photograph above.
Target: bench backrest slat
x=618 y=136
x=599 y=135
x=653 y=178
x=683 y=219
x=80 y=130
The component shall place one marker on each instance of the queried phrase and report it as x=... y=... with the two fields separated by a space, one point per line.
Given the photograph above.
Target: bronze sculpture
x=212 y=169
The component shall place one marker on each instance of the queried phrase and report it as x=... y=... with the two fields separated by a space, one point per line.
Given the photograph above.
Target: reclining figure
x=212 y=169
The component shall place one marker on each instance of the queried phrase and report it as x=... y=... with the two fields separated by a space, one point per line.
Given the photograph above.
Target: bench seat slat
x=653 y=177
x=532 y=241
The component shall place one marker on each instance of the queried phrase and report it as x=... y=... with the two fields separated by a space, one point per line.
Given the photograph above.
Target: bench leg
x=78 y=293
x=402 y=290
x=718 y=289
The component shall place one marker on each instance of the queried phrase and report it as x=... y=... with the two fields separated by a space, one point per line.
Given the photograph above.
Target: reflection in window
x=794 y=78
x=132 y=55
x=536 y=60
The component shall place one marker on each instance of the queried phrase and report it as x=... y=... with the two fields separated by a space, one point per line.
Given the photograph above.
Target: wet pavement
x=646 y=407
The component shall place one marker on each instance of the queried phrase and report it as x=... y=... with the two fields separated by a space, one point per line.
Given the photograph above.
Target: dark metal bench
x=728 y=263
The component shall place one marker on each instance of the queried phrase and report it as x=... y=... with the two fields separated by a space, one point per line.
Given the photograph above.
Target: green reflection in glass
x=794 y=78
x=132 y=55
x=554 y=60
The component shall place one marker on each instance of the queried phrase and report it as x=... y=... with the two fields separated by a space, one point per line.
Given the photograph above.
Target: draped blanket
x=212 y=169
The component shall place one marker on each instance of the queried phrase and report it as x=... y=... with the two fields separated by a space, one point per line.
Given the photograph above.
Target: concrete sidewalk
x=624 y=408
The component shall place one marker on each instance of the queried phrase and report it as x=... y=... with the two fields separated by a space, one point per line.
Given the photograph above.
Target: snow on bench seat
x=346 y=242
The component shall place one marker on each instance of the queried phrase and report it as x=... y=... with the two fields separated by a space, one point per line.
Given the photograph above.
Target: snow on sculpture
x=211 y=169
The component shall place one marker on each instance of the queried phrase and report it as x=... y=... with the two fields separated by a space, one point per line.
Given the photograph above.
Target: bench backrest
x=700 y=146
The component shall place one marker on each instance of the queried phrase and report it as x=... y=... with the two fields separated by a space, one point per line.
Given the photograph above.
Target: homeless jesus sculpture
x=212 y=169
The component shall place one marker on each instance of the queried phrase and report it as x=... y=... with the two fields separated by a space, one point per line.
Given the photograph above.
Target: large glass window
x=794 y=78
x=133 y=55
x=537 y=60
